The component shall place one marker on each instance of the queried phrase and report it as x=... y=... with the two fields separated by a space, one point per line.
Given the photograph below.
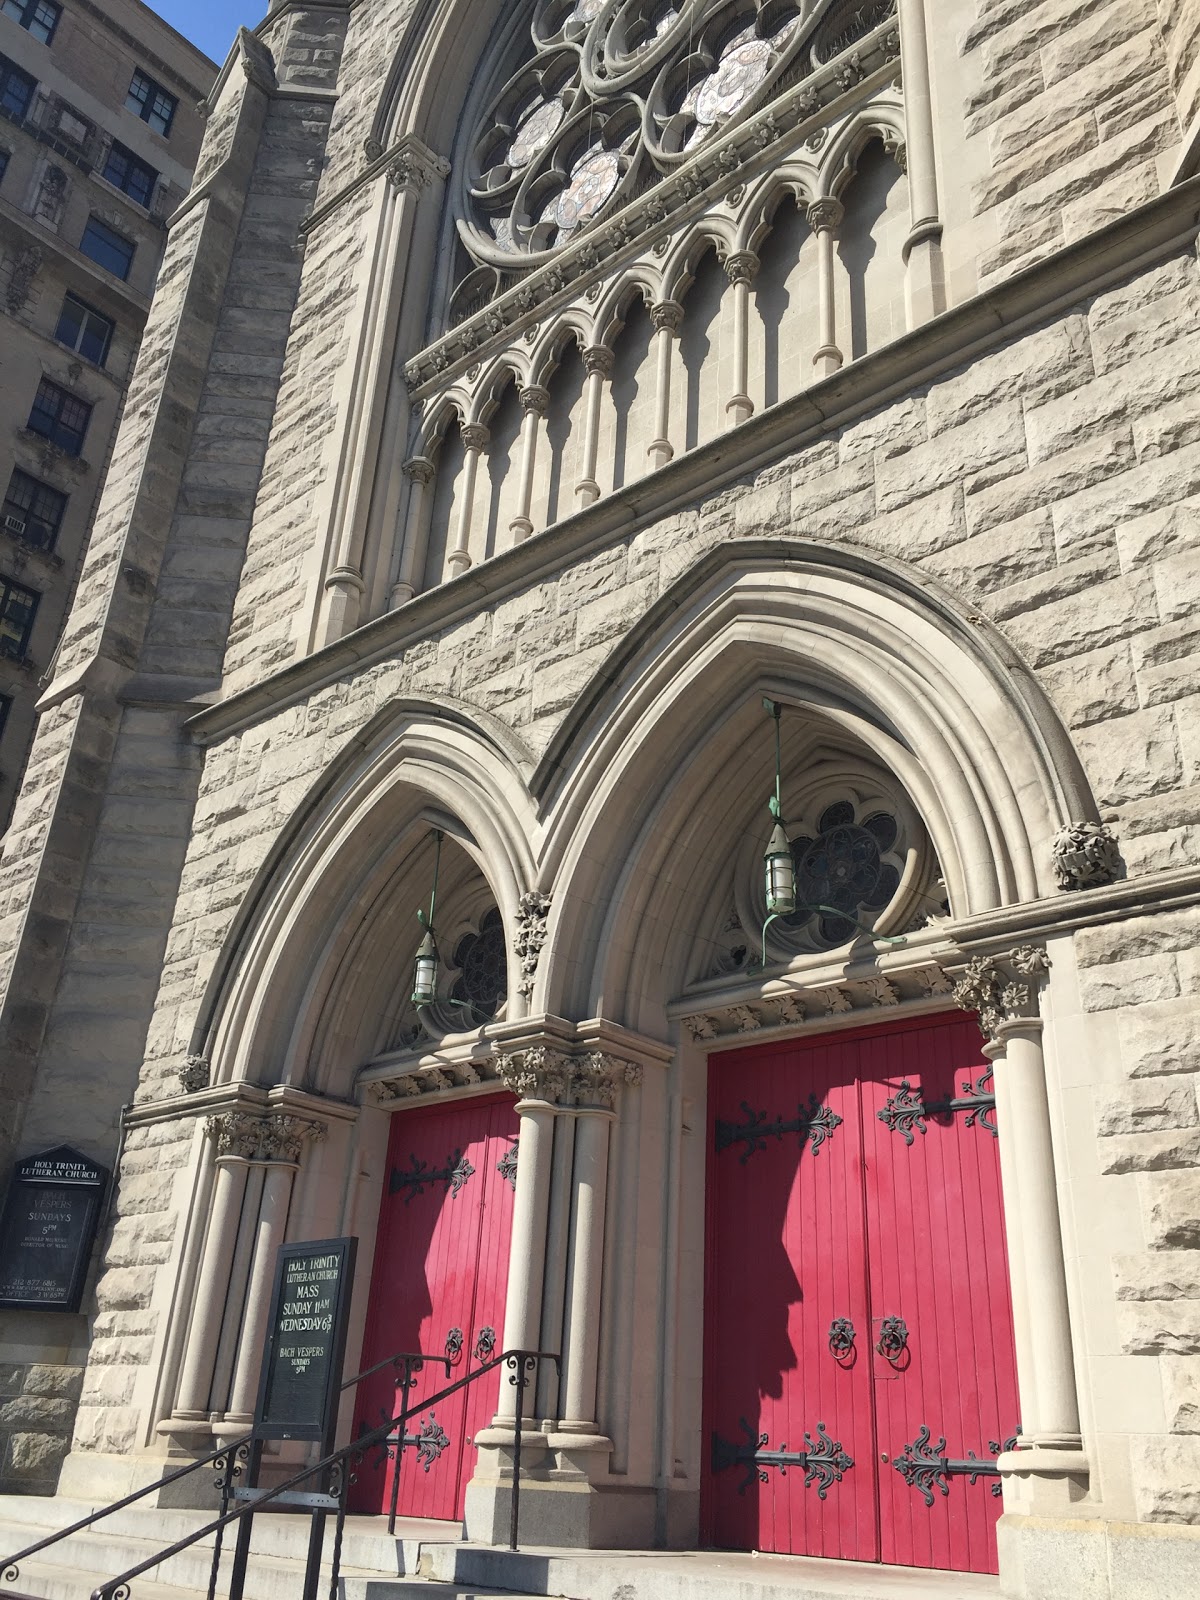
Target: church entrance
x=860 y=1375
x=441 y=1268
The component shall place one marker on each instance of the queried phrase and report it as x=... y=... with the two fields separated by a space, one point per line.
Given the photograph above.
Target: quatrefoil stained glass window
x=617 y=94
x=482 y=962
x=848 y=869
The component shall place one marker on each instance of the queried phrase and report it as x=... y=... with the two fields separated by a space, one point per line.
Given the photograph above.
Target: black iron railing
x=330 y=1478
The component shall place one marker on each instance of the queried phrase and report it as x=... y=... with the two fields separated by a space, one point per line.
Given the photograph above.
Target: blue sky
x=211 y=24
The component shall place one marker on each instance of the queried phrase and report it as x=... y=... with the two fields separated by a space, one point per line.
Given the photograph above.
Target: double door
x=860 y=1369
x=438 y=1286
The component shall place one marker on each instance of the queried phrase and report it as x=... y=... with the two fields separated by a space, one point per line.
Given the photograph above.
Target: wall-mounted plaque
x=47 y=1230
x=306 y=1341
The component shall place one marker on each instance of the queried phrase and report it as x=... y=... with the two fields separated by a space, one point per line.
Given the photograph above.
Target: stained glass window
x=842 y=880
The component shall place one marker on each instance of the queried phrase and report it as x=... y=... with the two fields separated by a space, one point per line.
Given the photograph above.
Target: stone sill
x=1147 y=234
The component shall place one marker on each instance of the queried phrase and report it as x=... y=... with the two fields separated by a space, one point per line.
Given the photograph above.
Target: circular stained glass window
x=592 y=181
x=536 y=131
x=482 y=960
x=738 y=75
x=841 y=876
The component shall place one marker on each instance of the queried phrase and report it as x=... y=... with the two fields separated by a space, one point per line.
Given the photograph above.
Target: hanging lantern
x=780 y=872
x=425 y=971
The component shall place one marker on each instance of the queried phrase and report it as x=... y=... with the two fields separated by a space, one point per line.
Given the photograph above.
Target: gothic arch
x=330 y=919
x=664 y=763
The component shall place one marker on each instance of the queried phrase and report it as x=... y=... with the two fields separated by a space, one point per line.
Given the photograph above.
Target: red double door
x=860 y=1371
x=438 y=1285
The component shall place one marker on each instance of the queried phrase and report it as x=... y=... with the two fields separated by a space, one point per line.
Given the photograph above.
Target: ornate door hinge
x=813 y=1126
x=507 y=1166
x=926 y=1469
x=416 y=1179
x=824 y=1461
x=906 y=1110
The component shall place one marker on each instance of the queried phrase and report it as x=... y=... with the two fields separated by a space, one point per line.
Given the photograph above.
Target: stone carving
x=532 y=910
x=275 y=1137
x=991 y=986
x=537 y=1073
x=881 y=992
x=787 y=1008
x=666 y=314
x=1086 y=854
x=741 y=267
x=399 y=1089
x=934 y=981
x=25 y=267
x=743 y=1018
x=835 y=1000
x=194 y=1074
x=596 y=1078
x=826 y=213
x=700 y=1027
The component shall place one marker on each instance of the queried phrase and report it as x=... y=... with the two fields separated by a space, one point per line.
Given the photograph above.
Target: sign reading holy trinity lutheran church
x=47 y=1230
x=302 y=1363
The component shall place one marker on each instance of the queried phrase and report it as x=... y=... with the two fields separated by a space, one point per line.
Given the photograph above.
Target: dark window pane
x=33 y=511
x=16 y=89
x=40 y=17
x=18 y=607
x=82 y=329
x=3 y=164
x=151 y=102
x=124 y=171
x=59 y=416
x=5 y=708
x=107 y=248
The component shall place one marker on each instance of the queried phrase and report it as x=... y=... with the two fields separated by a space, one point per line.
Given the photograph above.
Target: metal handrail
x=227 y=1458
x=336 y=1467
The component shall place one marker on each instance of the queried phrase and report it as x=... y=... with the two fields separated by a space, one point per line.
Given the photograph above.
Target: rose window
x=846 y=874
x=482 y=962
x=617 y=95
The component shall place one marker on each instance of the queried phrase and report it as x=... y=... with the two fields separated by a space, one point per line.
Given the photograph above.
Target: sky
x=211 y=24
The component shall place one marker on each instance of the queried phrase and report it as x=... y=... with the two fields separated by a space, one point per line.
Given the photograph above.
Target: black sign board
x=306 y=1342
x=47 y=1230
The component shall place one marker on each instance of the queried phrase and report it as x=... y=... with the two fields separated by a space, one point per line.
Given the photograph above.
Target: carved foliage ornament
x=993 y=986
x=619 y=95
x=541 y=1073
x=532 y=911
x=276 y=1137
x=1086 y=854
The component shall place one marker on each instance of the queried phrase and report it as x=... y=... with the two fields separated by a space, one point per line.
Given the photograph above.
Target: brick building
x=99 y=131
x=530 y=393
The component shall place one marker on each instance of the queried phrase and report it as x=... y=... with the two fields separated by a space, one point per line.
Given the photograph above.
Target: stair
x=429 y=1561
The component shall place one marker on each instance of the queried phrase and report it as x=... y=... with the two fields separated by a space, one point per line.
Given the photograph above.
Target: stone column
x=741 y=270
x=598 y=364
x=280 y=1148
x=474 y=438
x=419 y=471
x=535 y=402
x=824 y=218
x=595 y=1083
x=925 y=290
x=666 y=318
x=1003 y=990
x=235 y=1137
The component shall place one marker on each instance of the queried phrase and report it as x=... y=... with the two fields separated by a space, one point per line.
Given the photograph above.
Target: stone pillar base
x=560 y=1504
x=1043 y=1558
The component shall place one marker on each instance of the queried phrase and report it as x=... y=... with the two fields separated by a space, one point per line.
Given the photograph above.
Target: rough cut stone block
x=1171 y=1210
x=1158 y=1275
x=36 y=1455
x=1150 y=1106
x=1133 y=756
x=1138 y=936
x=1093 y=687
x=1148 y=1326
x=1129 y=983
x=997 y=433
x=1181 y=1392
x=1166 y=1478
x=1165 y=1151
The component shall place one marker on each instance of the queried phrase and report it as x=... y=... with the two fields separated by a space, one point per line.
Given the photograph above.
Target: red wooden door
x=441 y=1268
x=873 y=1305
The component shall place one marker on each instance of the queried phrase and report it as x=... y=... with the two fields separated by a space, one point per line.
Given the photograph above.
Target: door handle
x=485 y=1345
x=454 y=1344
x=841 y=1338
x=893 y=1339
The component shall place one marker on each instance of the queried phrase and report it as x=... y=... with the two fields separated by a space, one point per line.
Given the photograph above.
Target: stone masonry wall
x=1076 y=104
x=1180 y=22
x=1053 y=485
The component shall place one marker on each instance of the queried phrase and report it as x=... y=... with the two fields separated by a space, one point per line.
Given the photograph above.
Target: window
x=39 y=17
x=151 y=102
x=3 y=164
x=5 y=708
x=82 y=329
x=107 y=247
x=124 y=171
x=58 y=416
x=18 y=607
x=33 y=511
x=16 y=90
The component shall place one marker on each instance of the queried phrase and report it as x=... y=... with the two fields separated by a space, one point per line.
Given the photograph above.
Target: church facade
x=697 y=498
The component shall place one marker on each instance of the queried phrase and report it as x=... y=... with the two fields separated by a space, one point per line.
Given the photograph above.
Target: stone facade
x=963 y=554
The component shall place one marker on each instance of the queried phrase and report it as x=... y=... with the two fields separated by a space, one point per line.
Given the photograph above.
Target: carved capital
x=532 y=910
x=1086 y=854
x=994 y=987
x=597 y=358
x=418 y=469
x=666 y=314
x=474 y=436
x=276 y=1137
x=537 y=1073
x=825 y=214
x=596 y=1078
x=742 y=266
x=535 y=399
x=700 y=1027
x=235 y=1133
x=194 y=1074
